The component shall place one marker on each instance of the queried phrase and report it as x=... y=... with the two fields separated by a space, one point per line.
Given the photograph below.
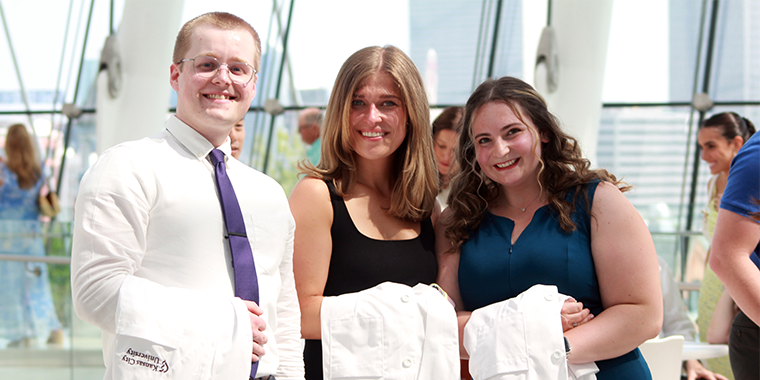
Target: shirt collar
x=194 y=141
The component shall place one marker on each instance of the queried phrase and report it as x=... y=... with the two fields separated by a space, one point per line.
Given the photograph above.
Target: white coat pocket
x=501 y=346
x=356 y=337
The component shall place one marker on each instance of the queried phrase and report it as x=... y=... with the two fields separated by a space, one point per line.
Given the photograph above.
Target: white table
x=695 y=350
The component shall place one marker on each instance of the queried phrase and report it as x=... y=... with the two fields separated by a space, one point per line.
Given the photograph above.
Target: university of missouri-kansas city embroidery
x=146 y=360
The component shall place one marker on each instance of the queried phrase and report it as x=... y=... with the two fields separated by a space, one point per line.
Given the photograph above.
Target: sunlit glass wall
x=648 y=124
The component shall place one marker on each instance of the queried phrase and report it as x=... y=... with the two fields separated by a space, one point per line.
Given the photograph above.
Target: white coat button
x=405 y=298
x=556 y=357
x=406 y=363
x=549 y=297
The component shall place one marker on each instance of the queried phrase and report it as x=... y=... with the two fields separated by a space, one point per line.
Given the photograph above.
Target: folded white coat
x=393 y=331
x=390 y=331
x=521 y=338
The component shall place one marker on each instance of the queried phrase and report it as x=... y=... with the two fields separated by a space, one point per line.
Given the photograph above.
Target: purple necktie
x=246 y=281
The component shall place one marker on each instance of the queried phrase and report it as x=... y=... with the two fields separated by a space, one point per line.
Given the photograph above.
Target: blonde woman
x=27 y=313
x=365 y=214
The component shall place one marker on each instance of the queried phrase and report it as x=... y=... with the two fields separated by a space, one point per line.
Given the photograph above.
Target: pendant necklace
x=528 y=205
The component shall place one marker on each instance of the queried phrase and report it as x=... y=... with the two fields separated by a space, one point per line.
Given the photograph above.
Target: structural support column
x=582 y=32
x=139 y=108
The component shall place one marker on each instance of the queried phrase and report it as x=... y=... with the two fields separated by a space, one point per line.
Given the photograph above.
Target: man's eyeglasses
x=208 y=67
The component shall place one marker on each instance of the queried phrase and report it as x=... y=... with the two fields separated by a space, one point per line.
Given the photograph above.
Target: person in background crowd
x=720 y=137
x=676 y=321
x=445 y=133
x=27 y=314
x=309 y=125
x=734 y=256
x=237 y=138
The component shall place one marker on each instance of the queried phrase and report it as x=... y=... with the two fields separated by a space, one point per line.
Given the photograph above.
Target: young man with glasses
x=156 y=236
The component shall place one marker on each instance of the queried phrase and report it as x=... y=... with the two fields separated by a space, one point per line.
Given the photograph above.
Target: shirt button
x=406 y=363
x=549 y=297
x=405 y=298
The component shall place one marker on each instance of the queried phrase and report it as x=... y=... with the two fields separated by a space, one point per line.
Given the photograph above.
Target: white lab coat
x=521 y=338
x=390 y=331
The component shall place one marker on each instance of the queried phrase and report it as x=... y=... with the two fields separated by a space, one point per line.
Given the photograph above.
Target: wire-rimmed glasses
x=208 y=67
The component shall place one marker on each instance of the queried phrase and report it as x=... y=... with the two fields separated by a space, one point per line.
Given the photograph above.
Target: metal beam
x=279 y=84
x=705 y=89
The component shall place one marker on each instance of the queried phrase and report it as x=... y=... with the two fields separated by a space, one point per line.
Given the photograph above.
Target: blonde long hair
x=415 y=178
x=563 y=168
x=22 y=158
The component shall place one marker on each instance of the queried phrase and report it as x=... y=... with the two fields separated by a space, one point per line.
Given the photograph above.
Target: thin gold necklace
x=526 y=206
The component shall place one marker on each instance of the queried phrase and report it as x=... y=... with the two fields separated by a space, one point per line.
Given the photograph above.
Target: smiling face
x=717 y=152
x=377 y=120
x=444 y=142
x=213 y=105
x=504 y=145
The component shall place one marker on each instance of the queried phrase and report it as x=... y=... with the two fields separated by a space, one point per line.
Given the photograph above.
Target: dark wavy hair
x=449 y=119
x=563 y=168
x=731 y=124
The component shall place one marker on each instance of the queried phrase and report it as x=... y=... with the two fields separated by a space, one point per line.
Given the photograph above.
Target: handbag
x=48 y=202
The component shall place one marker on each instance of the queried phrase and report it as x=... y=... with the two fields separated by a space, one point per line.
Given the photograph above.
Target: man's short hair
x=220 y=20
x=311 y=116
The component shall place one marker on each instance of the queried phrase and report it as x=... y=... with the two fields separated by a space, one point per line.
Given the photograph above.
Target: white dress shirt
x=390 y=331
x=151 y=267
x=521 y=338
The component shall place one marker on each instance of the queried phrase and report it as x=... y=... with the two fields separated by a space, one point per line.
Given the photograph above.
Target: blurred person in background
x=27 y=313
x=237 y=138
x=445 y=134
x=734 y=257
x=676 y=321
x=720 y=137
x=309 y=125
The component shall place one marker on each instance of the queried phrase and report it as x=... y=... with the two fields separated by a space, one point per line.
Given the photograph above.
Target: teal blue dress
x=491 y=269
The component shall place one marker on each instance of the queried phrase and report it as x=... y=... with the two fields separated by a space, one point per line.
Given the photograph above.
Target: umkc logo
x=146 y=360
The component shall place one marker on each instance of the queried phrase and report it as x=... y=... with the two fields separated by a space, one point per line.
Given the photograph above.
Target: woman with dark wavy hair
x=525 y=208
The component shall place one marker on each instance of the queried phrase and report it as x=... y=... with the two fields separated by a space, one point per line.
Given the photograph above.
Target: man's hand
x=258 y=325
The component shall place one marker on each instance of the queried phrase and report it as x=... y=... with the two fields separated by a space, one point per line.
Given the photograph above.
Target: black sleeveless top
x=359 y=262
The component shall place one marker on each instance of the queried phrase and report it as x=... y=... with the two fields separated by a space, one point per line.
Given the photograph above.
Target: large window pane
x=653 y=60
x=736 y=74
